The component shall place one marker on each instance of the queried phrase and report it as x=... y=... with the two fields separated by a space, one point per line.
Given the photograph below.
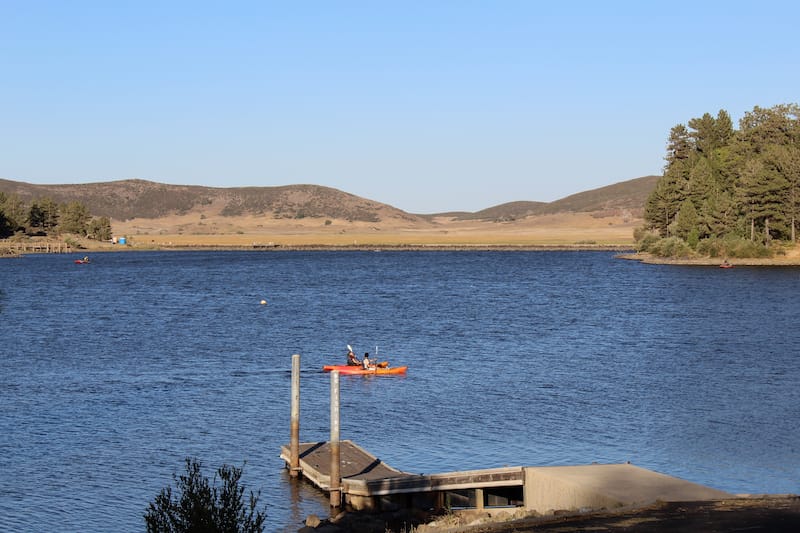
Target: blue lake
x=112 y=373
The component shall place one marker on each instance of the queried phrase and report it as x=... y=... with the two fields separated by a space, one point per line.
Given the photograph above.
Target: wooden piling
x=479 y=499
x=335 y=478
x=294 y=441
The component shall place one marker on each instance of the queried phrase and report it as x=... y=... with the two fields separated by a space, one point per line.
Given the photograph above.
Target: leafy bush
x=733 y=246
x=647 y=241
x=671 y=247
x=711 y=247
x=203 y=508
x=746 y=248
x=72 y=243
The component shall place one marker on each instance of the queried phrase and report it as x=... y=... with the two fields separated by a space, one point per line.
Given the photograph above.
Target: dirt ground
x=764 y=513
x=778 y=514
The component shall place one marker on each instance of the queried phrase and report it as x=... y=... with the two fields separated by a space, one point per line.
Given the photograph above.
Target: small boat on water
x=83 y=261
x=381 y=368
x=357 y=370
x=726 y=265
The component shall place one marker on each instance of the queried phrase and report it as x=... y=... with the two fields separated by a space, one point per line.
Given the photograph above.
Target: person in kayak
x=367 y=365
x=352 y=360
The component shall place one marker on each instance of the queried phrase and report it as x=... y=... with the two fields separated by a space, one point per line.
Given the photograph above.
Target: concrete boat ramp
x=367 y=483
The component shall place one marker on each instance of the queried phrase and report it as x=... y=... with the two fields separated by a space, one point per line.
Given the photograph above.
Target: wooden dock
x=20 y=248
x=367 y=483
x=357 y=464
x=357 y=478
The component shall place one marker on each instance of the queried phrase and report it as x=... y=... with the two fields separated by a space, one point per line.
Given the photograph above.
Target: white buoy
x=263 y=302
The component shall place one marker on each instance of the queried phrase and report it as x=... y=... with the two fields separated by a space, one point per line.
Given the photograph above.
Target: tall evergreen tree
x=703 y=133
x=723 y=129
x=50 y=214
x=717 y=215
x=762 y=190
x=679 y=145
x=74 y=218
x=663 y=203
x=733 y=179
x=15 y=212
x=100 y=229
x=685 y=221
x=5 y=227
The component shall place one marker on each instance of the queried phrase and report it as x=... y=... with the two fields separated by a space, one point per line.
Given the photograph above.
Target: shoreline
x=9 y=249
x=389 y=247
x=791 y=259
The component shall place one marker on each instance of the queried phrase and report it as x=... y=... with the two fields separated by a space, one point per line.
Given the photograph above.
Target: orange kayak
x=357 y=370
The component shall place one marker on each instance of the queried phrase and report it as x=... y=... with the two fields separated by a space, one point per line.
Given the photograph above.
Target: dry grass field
x=567 y=229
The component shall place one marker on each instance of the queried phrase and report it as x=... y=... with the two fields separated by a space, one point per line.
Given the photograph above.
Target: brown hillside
x=159 y=215
x=134 y=198
x=627 y=196
x=128 y=199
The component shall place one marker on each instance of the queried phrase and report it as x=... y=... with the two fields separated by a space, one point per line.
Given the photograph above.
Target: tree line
x=725 y=189
x=45 y=217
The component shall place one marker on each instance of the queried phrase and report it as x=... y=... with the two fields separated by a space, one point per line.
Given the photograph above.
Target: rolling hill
x=142 y=199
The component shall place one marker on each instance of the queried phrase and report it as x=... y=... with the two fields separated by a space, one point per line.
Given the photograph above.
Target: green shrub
x=711 y=247
x=671 y=247
x=200 y=507
x=693 y=238
x=647 y=241
x=745 y=248
x=734 y=246
x=72 y=243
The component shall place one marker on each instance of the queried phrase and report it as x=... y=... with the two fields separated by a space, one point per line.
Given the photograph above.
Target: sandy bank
x=791 y=258
x=775 y=513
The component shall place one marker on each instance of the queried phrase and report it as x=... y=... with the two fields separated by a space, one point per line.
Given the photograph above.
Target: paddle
x=349 y=351
x=382 y=364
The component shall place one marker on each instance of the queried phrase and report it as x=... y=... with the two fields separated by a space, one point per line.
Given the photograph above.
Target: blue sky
x=425 y=105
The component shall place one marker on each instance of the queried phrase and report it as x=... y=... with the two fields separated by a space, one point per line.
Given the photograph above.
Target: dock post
x=479 y=499
x=335 y=482
x=294 y=440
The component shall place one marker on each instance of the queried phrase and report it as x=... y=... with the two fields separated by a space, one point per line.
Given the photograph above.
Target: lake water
x=112 y=373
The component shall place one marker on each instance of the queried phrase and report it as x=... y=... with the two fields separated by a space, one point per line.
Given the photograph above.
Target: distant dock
x=20 y=248
x=356 y=478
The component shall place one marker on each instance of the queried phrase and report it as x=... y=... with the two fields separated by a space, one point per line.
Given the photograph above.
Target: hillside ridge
x=138 y=198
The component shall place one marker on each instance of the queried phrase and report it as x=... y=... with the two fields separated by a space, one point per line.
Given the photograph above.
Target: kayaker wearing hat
x=352 y=360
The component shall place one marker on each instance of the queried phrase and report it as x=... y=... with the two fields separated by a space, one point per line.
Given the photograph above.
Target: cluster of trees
x=722 y=184
x=46 y=217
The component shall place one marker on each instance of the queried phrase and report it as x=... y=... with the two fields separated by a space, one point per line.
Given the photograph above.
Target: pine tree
x=74 y=218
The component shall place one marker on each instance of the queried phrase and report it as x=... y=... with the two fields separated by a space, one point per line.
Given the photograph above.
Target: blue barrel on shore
x=122 y=240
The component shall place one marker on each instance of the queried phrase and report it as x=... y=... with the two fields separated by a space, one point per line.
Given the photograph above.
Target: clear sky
x=427 y=105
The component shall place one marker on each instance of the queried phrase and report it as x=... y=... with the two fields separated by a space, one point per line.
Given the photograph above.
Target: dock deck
x=366 y=482
x=357 y=464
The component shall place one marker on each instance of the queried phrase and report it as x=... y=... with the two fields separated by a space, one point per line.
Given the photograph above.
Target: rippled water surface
x=112 y=373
